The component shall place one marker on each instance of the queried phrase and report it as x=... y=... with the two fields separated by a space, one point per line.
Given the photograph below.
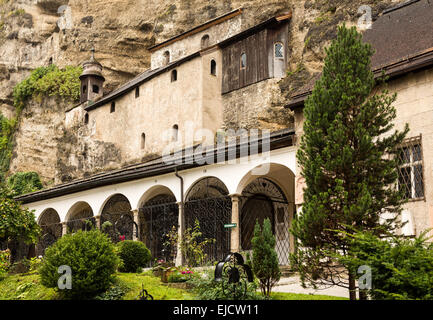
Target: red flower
x=122 y=238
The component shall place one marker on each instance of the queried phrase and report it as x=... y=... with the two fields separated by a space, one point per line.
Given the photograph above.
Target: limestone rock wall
x=40 y=32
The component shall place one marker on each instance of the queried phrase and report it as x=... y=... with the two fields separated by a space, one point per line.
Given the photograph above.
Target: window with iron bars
x=411 y=177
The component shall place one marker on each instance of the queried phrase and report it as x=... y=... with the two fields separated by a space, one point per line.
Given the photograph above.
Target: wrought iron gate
x=157 y=218
x=121 y=226
x=263 y=199
x=50 y=234
x=212 y=214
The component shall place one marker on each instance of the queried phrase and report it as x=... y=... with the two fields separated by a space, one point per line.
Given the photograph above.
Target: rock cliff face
x=40 y=32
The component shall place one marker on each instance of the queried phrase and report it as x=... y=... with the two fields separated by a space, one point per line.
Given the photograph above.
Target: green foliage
x=50 y=81
x=206 y=288
x=35 y=263
x=401 y=269
x=344 y=155
x=24 y=182
x=16 y=223
x=5 y=263
x=91 y=257
x=134 y=255
x=192 y=244
x=7 y=128
x=265 y=258
x=115 y=292
x=22 y=266
x=181 y=275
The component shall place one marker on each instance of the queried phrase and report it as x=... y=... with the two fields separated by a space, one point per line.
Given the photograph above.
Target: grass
x=28 y=287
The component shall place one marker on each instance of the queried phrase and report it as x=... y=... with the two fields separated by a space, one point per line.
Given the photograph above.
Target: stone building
x=203 y=81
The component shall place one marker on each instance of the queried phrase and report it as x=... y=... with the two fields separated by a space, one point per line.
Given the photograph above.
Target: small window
x=174 y=76
x=279 y=51
x=86 y=118
x=95 y=88
x=137 y=92
x=84 y=89
x=143 y=141
x=205 y=41
x=175 y=132
x=243 y=61
x=411 y=178
x=166 y=57
x=113 y=107
x=213 y=69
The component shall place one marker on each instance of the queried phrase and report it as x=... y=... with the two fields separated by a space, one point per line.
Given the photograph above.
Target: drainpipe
x=181 y=221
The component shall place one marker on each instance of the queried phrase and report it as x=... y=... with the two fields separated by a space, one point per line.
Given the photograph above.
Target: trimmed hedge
x=134 y=255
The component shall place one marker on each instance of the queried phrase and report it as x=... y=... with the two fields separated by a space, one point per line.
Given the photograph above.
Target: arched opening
x=213 y=68
x=80 y=217
x=174 y=75
x=175 y=132
x=243 y=61
x=117 y=219
x=84 y=89
x=166 y=56
x=205 y=41
x=208 y=202
x=143 y=141
x=158 y=217
x=51 y=227
x=261 y=199
x=86 y=118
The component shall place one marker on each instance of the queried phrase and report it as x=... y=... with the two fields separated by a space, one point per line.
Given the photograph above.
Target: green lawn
x=28 y=287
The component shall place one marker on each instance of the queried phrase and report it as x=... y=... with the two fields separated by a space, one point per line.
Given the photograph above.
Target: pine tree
x=348 y=159
x=265 y=258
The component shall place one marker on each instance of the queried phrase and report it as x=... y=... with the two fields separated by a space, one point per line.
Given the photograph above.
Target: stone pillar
x=235 y=232
x=64 y=228
x=180 y=231
x=136 y=233
x=98 y=222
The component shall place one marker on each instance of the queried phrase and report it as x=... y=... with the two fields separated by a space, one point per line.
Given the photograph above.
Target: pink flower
x=122 y=238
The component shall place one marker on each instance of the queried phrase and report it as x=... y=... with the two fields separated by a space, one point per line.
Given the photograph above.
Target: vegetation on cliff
x=43 y=81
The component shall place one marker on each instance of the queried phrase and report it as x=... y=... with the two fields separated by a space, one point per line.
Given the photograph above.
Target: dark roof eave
x=392 y=71
x=279 y=139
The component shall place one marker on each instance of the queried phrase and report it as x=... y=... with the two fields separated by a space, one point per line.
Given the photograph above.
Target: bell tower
x=92 y=80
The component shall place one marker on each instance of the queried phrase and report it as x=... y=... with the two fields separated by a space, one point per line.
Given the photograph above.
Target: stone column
x=136 y=233
x=98 y=222
x=180 y=230
x=235 y=232
x=64 y=228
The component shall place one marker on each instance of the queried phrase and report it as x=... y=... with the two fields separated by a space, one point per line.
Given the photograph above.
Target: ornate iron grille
x=51 y=231
x=157 y=219
x=411 y=177
x=81 y=220
x=212 y=214
x=209 y=203
x=263 y=199
x=117 y=211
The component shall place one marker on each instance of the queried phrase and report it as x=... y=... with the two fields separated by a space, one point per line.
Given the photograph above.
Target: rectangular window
x=411 y=178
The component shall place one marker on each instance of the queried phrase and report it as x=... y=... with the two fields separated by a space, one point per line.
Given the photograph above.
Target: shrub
x=206 y=288
x=265 y=259
x=91 y=257
x=5 y=256
x=400 y=268
x=35 y=263
x=22 y=266
x=134 y=255
x=24 y=182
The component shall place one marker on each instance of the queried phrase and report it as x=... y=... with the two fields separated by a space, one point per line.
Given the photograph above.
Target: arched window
x=95 y=88
x=243 y=61
x=213 y=68
x=84 y=89
x=143 y=141
x=174 y=75
x=113 y=107
x=175 y=132
x=137 y=92
x=279 y=50
x=205 y=41
x=166 y=57
x=86 y=118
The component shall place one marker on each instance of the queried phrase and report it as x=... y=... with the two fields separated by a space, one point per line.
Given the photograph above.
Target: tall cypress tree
x=348 y=157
